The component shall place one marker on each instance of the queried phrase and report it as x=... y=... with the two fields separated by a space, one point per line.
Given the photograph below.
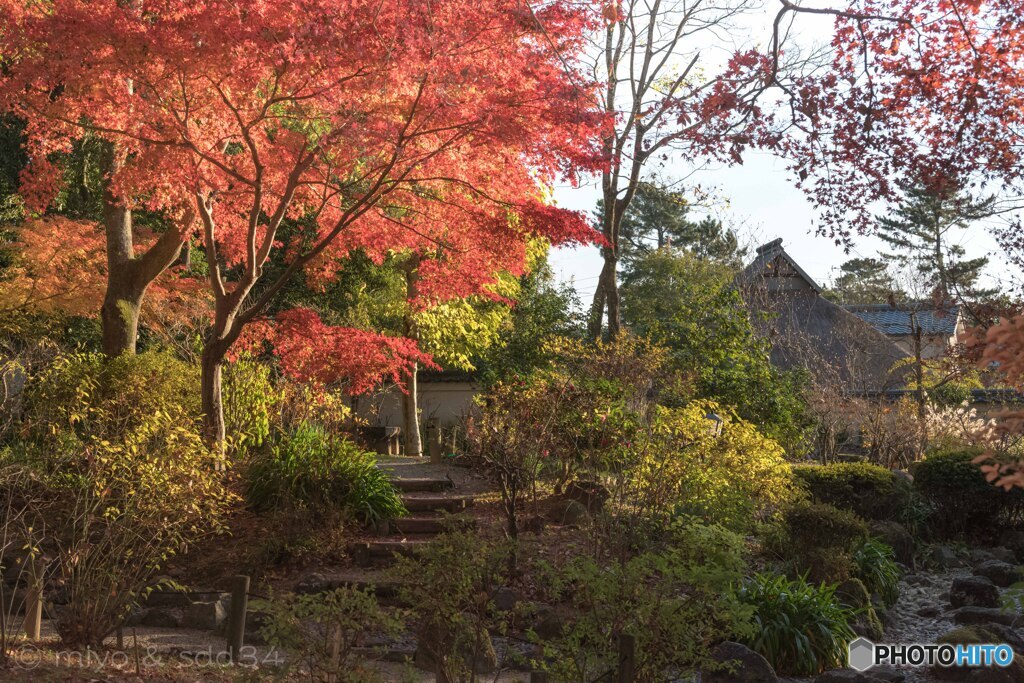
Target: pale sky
x=762 y=204
x=758 y=199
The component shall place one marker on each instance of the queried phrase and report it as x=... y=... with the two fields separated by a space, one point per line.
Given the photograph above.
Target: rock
x=1013 y=541
x=896 y=536
x=917 y=580
x=315 y=582
x=944 y=557
x=974 y=635
x=591 y=494
x=1000 y=573
x=569 y=513
x=1006 y=634
x=485 y=661
x=534 y=524
x=205 y=616
x=505 y=599
x=979 y=555
x=550 y=622
x=740 y=664
x=983 y=615
x=928 y=612
x=162 y=617
x=162 y=597
x=973 y=591
x=1003 y=555
x=848 y=676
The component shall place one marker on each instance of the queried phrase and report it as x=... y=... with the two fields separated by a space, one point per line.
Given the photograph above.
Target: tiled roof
x=896 y=322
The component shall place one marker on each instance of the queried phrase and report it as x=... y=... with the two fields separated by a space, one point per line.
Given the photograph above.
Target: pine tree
x=866 y=281
x=659 y=217
x=920 y=231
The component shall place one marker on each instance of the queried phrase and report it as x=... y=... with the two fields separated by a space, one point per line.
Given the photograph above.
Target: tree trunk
x=212 y=398
x=128 y=276
x=410 y=399
x=606 y=298
x=411 y=415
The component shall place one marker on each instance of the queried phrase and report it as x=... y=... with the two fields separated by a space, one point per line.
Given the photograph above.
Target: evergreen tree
x=866 y=281
x=921 y=230
x=659 y=217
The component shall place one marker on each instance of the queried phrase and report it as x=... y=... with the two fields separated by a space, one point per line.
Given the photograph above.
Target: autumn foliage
x=380 y=126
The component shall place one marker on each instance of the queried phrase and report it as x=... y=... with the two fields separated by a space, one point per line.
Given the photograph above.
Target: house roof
x=773 y=261
x=896 y=321
x=807 y=330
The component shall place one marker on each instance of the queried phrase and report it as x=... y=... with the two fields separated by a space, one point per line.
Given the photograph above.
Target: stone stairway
x=434 y=507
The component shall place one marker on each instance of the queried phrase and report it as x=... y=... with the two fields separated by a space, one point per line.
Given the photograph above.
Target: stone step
x=430 y=525
x=383 y=551
x=437 y=503
x=422 y=485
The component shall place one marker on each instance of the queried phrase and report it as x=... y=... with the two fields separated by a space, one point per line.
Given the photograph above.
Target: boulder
x=204 y=616
x=1000 y=573
x=314 y=582
x=973 y=635
x=740 y=664
x=983 y=615
x=569 y=513
x=505 y=599
x=1003 y=554
x=591 y=494
x=850 y=676
x=945 y=557
x=973 y=591
x=162 y=617
x=896 y=536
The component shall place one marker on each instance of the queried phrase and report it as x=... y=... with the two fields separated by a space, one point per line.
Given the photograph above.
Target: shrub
x=877 y=568
x=963 y=501
x=323 y=630
x=110 y=514
x=817 y=539
x=448 y=582
x=819 y=525
x=676 y=603
x=800 y=628
x=870 y=491
x=85 y=396
x=250 y=399
x=734 y=478
x=309 y=468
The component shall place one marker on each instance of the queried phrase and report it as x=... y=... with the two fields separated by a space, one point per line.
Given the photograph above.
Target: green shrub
x=735 y=478
x=111 y=514
x=676 y=603
x=963 y=501
x=309 y=468
x=876 y=567
x=854 y=594
x=321 y=631
x=817 y=540
x=250 y=399
x=83 y=396
x=870 y=491
x=449 y=582
x=820 y=525
x=801 y=629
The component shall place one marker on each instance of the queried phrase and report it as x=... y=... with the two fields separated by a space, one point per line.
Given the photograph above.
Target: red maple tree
x=383 y=126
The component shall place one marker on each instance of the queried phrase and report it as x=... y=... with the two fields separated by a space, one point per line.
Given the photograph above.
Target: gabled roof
x=896 y=321
x=804 y=329
x=773 y=261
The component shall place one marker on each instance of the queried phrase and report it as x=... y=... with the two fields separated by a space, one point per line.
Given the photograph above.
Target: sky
x=758 y=199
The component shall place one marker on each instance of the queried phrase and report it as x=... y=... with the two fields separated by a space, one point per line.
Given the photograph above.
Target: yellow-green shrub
x=734 y=479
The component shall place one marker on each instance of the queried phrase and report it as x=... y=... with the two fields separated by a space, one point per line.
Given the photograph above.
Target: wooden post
x=434 y=442
x=236 y=617
x=34 y=600
x=627 y=658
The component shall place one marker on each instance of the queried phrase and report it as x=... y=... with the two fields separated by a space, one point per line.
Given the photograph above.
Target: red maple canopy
x=384 y=126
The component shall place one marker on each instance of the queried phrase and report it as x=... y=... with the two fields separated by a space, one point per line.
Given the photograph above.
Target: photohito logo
x=863 y=654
